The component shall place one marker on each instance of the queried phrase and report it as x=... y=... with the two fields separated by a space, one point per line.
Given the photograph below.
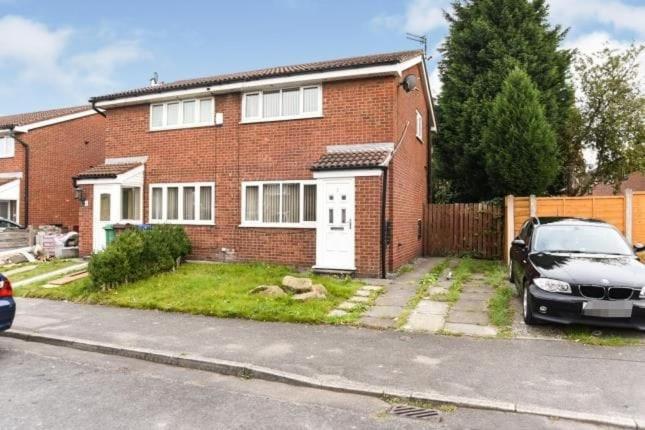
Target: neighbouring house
x=321 y=165
x=634 y=182
x=40 y=152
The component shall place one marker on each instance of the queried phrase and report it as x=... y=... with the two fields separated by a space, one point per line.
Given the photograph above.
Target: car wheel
x=527 y=307
x=511 y=278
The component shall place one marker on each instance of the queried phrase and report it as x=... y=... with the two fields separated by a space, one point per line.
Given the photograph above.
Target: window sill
x=311 y=225
x=176 y=222
x=7 y=156
x=181 y=127
x=286 y=118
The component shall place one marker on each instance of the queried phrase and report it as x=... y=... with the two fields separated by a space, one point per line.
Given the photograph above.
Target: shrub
x=137 y=254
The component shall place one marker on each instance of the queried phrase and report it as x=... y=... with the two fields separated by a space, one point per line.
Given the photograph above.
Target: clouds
x=594 y=24
x=617 y=15
x=36 y=57
x=421 y=16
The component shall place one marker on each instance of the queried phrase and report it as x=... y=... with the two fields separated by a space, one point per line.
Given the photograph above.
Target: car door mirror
x=519 y=242
x=639 y=247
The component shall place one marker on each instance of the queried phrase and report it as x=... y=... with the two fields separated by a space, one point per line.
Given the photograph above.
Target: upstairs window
x=285 y=103
x=182 y=114
x=7 y=147
x=419 y=126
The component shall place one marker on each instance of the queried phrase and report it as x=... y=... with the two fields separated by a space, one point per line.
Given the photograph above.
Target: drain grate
x=412 y=412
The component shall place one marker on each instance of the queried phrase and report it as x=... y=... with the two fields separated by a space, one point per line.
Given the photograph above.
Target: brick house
x=39 y=154
x=634 y=182
x=285 y=164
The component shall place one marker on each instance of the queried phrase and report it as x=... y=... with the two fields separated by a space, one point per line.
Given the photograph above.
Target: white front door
x=335 y=229
x=105 y=211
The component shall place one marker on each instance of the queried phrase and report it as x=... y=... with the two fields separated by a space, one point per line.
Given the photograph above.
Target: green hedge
x=137 y=254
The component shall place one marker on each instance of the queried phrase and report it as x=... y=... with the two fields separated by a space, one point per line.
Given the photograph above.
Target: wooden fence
x=465 y=228
x=626 y=212
x=11 y=239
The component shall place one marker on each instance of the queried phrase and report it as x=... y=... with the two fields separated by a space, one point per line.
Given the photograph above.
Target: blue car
x=7 y=305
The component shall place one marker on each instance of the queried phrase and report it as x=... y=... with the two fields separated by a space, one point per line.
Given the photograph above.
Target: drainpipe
x=12 y=133
x=384 y=224
x=99 y=111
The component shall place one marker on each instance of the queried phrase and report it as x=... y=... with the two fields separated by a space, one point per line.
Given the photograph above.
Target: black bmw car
x=570 y=270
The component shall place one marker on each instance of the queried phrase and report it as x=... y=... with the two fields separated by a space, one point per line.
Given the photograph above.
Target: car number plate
x=607 y=309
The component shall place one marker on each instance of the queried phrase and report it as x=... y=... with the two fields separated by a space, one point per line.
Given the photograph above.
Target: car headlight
x=553 y=285
x=642 y=294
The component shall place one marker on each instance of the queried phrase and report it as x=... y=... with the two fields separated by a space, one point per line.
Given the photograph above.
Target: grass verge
x=500 y=311
x=42 y=268
x=442 y=407
x=462 y=274
x=426 y=281
x=219 y=290
x=592 y=336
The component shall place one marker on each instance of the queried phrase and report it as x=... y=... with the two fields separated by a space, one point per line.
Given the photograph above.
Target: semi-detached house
x=39 y=154
x=321 y=165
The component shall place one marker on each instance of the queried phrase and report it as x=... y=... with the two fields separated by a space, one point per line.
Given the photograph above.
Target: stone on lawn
x=297 y=285
x=268 y=291
x=318 y=291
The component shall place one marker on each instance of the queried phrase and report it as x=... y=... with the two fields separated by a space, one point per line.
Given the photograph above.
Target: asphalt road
x=43 y=386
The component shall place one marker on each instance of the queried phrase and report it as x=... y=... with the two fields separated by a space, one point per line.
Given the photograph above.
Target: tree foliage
x=612 y=114
x=519 y=145
x=487 y=40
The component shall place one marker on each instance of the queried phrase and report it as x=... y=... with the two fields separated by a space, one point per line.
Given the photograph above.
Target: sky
x=60 y=53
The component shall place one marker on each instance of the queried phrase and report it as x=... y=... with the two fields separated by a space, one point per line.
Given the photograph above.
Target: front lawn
x=220 y=290
x=41 y=268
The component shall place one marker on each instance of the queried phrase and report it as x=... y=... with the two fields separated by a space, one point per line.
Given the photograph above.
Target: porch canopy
x=112 y=173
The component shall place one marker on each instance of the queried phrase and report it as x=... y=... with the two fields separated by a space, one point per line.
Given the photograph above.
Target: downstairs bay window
x=279 y=204
x=183 y=203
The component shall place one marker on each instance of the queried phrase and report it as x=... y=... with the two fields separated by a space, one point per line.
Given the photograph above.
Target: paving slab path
x=82 y=265
x=469 y=315
x=549 y=374
x=396 y=294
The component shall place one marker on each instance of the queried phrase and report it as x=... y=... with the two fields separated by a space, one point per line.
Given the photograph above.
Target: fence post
x=532 y=205
x=629 y=214
x=509 y=223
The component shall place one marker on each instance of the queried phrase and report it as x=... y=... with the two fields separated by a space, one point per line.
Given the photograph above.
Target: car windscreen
x=580 y=238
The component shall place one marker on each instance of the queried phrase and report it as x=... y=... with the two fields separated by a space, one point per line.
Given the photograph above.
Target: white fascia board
x=133 y=177
x=426 y=80
x=360 y=147
x=127 y=160
x=10 y=175
x=26 y=128
x=303 y=79
x=347 y=173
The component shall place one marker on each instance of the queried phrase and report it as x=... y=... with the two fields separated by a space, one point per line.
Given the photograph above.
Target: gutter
x=13 y=135
x=99 y=111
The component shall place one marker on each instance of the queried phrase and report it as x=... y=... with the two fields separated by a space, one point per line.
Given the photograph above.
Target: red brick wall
x=634 y=182
x=57 y=152
x=408 y=174
x=85 y=227
x=354 y=112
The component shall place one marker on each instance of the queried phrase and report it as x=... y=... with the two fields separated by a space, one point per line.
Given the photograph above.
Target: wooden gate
x=476 y=229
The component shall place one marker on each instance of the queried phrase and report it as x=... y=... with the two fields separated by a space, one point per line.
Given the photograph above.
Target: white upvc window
x=182 y=203
x=279 y=204
x=182 y=114
x=282 y=104
x=131 y=202
x=419 y=126
x=7 y=147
